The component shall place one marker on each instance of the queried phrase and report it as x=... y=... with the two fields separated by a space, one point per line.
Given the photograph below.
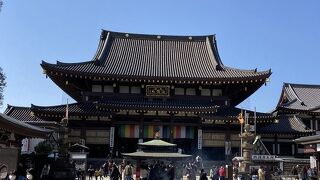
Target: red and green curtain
x=129 y=131
x=183 y=132
x=164 y=132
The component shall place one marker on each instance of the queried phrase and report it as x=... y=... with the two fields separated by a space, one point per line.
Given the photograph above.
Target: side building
x=138 y=84
x=298 y=112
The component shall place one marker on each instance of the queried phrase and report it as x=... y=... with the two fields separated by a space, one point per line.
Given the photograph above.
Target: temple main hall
x=137 y=85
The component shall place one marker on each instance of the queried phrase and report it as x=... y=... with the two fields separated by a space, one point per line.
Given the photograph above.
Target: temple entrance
x=186 y=145
x=127 y=145
x=98 y=150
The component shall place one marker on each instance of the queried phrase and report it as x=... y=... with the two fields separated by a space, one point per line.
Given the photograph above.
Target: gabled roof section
x=288 y=124
x=124 y=55
x=308 y=139
x=232 y=113
x=82 y=108
x=300 y=97
x=25 y=114
x=10 y=124
x=259 y=148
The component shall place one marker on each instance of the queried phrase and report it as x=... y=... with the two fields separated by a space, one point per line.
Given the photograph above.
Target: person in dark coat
x=115 y=173
x=203 y=175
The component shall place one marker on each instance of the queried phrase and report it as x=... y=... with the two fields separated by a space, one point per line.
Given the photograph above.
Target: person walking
x=222 y=173
x=115 y=174
x=261 y=173
x=128 y=171
x=203 y=175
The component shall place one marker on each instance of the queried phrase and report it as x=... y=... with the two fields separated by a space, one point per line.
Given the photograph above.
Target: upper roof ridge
x=155 y=36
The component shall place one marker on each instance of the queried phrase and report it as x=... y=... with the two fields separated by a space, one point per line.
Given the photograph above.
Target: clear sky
x=281 y=35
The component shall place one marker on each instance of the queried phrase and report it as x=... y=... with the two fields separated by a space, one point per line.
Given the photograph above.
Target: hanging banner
x=111 y=137
x=199 y=138
x=313 y=162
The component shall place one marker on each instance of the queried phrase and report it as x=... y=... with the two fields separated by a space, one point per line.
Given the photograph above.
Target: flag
x=240 y=118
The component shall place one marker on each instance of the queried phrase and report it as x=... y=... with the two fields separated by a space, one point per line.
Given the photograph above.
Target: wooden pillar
x=171 y=127
x=138 y=169
x=227 y=141
x=141 y=128
x=277 y=152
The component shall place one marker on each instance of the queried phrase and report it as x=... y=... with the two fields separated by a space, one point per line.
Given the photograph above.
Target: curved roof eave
x=53 y=67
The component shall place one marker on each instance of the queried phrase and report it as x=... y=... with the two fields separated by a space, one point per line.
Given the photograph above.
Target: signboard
x=310 y=148
x=158 y=90
x=252 y=128
x=263 y=157
x=318 y=147
x=199 y=138
x=111 y=137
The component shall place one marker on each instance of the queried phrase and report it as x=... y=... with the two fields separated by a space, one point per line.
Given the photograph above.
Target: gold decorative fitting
x=158 y=37
x=114 y=85
x=67 y=82
x=267 y=79
x=127 y=35
x=190 y=38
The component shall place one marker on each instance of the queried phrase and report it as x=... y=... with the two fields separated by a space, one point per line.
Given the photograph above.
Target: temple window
x=216 y=92
x=179 y=91
x=108 y=89
x=205 y=92
x=191 y=91
x=135 y=89
x=96 y=88
x=124 y=89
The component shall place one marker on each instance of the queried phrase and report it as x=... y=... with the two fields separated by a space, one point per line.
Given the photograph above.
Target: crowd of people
x=157 y=170
x=304 y=173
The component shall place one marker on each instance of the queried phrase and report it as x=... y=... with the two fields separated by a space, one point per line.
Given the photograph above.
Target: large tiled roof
x=301 y=97
x=287 y=124
x=10 y=124
x=122 y=55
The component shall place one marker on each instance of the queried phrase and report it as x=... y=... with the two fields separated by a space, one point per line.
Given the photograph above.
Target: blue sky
x=281 y=35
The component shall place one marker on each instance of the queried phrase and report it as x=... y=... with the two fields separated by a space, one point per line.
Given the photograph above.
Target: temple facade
x=137 y=85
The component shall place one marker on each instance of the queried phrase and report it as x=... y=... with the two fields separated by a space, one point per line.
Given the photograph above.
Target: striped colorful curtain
x=129 y=131
x=183 y=132
x=149 y=131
